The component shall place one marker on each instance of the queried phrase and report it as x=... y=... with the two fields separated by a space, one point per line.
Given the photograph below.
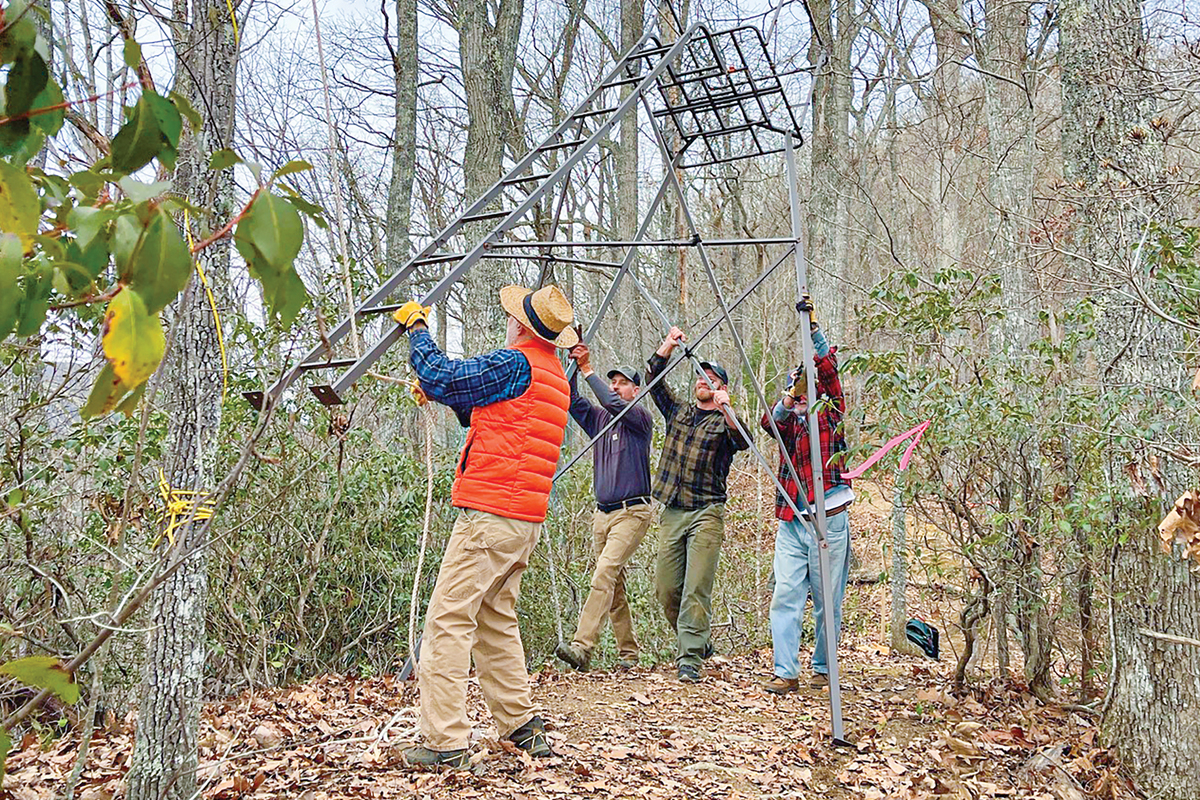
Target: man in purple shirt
x=621 y=460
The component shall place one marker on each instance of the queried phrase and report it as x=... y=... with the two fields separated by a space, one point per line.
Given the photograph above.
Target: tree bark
x=1154 y=721
x=487 y=55
x=835 y=29
x=632 y=12
x=951 y=50
x=404 y=136
x=1113 y=164
x=165 y=753
x=1008 y=115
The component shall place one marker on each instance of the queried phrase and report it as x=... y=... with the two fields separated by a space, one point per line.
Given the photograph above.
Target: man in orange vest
x=516 y=399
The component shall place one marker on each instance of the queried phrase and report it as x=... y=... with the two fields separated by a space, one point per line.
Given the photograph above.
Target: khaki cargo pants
x=615 y=538
x=473 y=614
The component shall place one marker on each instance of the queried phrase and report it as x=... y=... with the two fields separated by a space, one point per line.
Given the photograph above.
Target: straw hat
x=546 y=312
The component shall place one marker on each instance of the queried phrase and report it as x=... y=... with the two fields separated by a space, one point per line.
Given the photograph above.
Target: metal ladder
x=640 y=68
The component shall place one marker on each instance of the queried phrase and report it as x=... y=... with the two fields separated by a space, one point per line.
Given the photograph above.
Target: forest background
x=1001 y=227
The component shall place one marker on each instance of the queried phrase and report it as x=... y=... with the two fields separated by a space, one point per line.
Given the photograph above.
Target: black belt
x=630 y=503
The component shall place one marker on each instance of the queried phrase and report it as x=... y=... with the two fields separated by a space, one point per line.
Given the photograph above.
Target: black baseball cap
x=629 y=373
x=717 y=369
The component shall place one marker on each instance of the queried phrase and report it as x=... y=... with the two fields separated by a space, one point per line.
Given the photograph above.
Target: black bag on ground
x=923 y=635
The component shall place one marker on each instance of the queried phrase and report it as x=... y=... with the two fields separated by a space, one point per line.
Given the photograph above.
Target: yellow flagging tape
x=212 y=302
x=183 y=507
x=237 y=37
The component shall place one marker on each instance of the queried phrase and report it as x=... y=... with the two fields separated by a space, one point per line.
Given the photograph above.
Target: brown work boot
x=573 y=655
x=819 y=680
x=424 y=757
x=778 y=685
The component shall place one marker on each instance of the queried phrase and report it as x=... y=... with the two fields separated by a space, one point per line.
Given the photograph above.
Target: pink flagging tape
x=915 y=433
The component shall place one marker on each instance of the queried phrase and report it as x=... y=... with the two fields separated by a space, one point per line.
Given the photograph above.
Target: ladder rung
x=561 y=145
x=715 y=69
x=657 y=51
x=485 y=215
x=528 y=179
x=332 y=364
x=438 y=259
x=379 y=310
x=595 y=113
x=621 y=82
x=326 y=395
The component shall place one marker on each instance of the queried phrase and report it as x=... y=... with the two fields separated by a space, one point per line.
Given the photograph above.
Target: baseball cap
x=626 y=372
x=717 y=369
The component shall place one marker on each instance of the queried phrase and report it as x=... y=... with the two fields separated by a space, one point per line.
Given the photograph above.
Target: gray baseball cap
x=629 y=373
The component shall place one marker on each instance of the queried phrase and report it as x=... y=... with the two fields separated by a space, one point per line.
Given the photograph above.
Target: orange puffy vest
x=507 y=465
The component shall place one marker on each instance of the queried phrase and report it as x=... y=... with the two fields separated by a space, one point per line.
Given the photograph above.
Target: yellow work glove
x=806 y=304
x=419 y=394
x=799 y=388
x=411 y=313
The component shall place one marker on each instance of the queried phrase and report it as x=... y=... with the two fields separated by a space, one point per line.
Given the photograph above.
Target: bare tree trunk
x=1113 y=159
x=951 y=50
x=675 y=225
x=632 y=27
x=1008 y=114
x=632 y=12
x=165 y=752
x=487 y=54
x=1154 y=722
x=1008 y=117
x=828 y=208
x=404 y=137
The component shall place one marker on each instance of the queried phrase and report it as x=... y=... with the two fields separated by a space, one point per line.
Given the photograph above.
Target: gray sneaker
x=424 y=757
x=688 y=673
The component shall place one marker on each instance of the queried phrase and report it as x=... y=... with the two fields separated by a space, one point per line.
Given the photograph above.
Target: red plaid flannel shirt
x=831 y=407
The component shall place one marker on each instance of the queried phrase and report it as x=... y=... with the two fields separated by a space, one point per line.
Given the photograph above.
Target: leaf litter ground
x=639 y=734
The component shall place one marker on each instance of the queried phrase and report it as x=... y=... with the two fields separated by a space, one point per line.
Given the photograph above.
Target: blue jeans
x=797 y=573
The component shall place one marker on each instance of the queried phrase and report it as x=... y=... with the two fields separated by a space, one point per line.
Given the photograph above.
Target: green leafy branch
x=72 y=243
x=41 y=672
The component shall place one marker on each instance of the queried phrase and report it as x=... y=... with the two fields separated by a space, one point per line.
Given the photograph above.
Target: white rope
x=427 y=422
x=337 y=185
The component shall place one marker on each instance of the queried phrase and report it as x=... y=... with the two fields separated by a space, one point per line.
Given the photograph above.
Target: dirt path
x=637 y=734
x=642 y=734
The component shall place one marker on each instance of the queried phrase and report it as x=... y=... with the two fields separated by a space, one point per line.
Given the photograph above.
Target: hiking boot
x=531 y=737
x=573 y=655
x=778 y=685
x=424 y=757
x=688 y=673
x=819 y=680
x=627 y=662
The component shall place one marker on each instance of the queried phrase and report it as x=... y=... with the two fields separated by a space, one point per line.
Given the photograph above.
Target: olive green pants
x=689 y=546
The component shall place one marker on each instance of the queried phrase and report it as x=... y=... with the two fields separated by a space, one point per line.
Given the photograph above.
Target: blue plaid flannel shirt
x=463 y=384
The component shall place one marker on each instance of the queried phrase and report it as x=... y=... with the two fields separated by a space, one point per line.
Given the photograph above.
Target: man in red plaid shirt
x=797 y=573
